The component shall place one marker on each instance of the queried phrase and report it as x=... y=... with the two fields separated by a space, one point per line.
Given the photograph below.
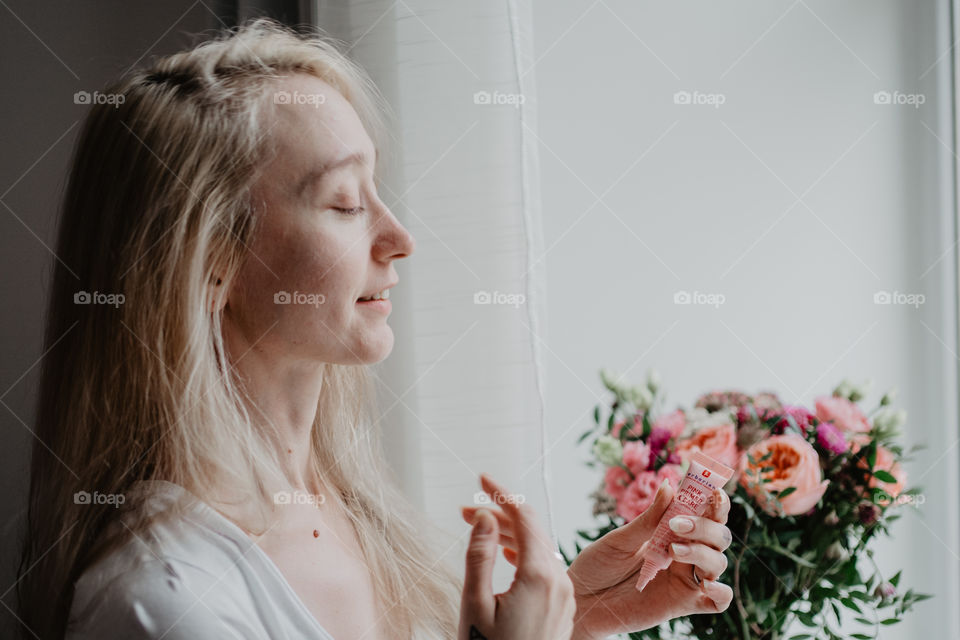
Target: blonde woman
x=207 y=463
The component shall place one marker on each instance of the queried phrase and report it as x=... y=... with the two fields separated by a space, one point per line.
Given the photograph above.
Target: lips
x=381 y=294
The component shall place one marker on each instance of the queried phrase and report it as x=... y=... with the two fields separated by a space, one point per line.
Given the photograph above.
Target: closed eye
x=351 y=211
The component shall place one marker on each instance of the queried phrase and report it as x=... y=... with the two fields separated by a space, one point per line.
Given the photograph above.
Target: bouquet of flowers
x=811 y=490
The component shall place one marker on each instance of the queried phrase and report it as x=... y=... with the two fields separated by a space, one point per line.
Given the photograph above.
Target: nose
x=392 y=240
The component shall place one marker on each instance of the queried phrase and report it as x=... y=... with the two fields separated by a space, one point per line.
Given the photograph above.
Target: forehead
x=312 y=123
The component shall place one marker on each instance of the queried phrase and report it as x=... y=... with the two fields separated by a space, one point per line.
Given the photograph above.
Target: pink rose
x=636 y=455
x=674 y=422
x=616 y=481
x=640 y=493
x=717 y=441
x=636 y=430
x=795 y=464
x=673 y=473
x=842 y=413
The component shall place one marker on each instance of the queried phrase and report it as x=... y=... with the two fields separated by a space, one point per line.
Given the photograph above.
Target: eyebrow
x=315 y=174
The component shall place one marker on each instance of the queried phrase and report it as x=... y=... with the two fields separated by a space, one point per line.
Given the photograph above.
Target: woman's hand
x=605 y=573
x=540 y=603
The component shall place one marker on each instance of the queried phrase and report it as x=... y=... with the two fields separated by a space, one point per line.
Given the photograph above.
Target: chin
x=376 y=349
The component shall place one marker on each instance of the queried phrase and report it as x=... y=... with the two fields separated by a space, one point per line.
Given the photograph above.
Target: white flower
x=608 y=450
x=888 y=397
x=653 y=380
x=641 y=397
x=699 y=418
x=890 y=419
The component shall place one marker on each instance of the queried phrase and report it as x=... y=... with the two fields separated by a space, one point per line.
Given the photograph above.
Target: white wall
x=709 y=203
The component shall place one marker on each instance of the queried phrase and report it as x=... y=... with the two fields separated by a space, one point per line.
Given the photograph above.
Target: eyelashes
x=351 y=211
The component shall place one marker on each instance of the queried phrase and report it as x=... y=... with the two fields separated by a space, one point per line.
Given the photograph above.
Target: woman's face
x=324 y=240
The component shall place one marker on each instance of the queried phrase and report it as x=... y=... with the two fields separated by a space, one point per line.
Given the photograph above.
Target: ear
x=218 y=297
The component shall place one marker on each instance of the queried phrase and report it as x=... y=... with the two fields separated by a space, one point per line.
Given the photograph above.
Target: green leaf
x=849 y=603
x=786 y=492
x=792 y=556
x=884 y=476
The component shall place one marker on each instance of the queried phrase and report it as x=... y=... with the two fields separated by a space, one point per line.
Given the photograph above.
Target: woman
x=206 y=461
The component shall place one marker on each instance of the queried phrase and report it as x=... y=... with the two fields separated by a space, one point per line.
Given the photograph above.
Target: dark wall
x=48 y=52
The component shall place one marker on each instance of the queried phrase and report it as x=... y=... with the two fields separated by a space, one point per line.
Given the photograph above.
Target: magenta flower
x=831 y=438
x=658 y=439
x=800 y=415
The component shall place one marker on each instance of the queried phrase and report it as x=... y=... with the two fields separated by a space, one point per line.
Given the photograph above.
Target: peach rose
x=885 y=462
x=717 y=441
x=795 y=464
x=842 y=413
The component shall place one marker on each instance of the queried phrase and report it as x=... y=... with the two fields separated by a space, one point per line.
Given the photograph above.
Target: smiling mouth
x=380 y=295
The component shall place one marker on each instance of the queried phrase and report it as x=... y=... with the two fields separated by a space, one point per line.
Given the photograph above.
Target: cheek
x=314 y=262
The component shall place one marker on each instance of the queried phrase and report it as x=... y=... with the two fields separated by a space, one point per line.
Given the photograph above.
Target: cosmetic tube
x=704 y=476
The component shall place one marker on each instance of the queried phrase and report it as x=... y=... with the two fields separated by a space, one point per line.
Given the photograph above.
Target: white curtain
x=463 y=389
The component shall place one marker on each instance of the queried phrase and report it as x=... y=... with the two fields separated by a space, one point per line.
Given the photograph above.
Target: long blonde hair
x=157 y=211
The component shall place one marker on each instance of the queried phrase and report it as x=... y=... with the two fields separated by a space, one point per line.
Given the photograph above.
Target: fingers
x=719 y=507
x=506 y=524
x=477 y=601
x=700 y=529
x=533 y=545
x=717 y=596
x=510 y=555
x=709 y=562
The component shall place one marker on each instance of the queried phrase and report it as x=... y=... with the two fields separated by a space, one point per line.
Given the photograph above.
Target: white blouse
x=200 y=577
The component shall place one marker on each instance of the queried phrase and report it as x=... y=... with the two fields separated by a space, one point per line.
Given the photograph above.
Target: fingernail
x=664 y=485
x=484 y=521
x=680 y=549
x=681 y=524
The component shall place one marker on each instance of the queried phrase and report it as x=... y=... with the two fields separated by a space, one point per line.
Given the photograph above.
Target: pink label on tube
x=704 y=476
